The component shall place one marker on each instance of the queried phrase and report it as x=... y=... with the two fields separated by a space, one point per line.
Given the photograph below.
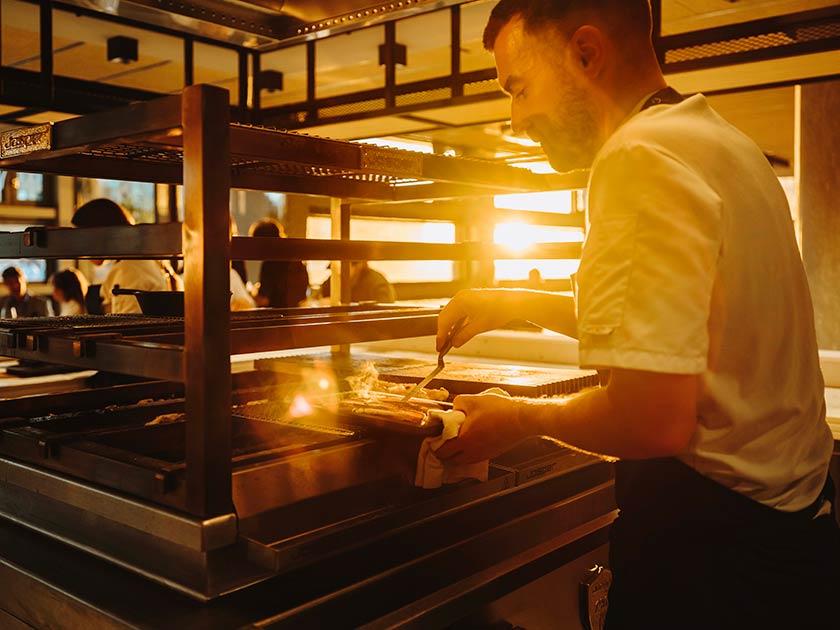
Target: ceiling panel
x=314 y=10
x=46 y=117
x=20 y=35
x=767 y=116
x=427 y=38
x=80 y=51
x=368 y=128
x=497 y=109
x=679 y=16
x=350 y=62
x=8 y=109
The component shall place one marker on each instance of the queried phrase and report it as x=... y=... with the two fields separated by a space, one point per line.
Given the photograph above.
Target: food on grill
x=167 y=418
x=390 y=410
x=366 y=383
x=401 y=389
x=392 y=414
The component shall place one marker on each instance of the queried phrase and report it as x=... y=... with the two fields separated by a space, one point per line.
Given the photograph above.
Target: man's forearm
x=547 y=310
x=607 y=423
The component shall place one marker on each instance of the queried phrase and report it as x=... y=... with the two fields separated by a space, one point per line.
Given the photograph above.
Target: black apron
x=690 y=554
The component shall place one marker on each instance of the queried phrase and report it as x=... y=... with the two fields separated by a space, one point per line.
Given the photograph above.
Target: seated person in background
x=283 y=283
x=69 y=289
x=241 y=270
x=366 y=284
x=535 y=280
x=238 y=265
x=240 y=299
x=146 y=275
x=20 y=302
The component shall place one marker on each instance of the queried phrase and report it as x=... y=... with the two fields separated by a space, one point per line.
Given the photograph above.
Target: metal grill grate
x=776 y=39
x=352 y=108
x=481 y=87
x=818 y=31
x=239 y=166
x=83 y=322
x=423 y=97
x=284 y=168
x=137 y=152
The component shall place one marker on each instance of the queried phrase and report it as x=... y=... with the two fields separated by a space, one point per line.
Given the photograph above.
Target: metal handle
x=447 y=346
x=117 y=290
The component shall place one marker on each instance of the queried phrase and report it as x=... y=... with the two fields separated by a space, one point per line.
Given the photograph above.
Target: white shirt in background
x=70 y=308
x=146 y=275
x=240 y=299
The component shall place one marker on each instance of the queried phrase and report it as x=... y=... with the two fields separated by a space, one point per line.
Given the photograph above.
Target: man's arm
x=639 y=415
x=489 y=309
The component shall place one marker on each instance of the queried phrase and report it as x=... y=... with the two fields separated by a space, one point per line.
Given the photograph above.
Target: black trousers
x=687 y=553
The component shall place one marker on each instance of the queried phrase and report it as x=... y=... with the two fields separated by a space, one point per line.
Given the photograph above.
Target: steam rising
x=364 y=383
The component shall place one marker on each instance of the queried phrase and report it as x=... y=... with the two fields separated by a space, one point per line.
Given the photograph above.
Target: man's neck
x=627 y=95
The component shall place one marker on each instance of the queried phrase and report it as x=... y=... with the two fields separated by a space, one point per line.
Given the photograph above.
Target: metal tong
x=440 y=365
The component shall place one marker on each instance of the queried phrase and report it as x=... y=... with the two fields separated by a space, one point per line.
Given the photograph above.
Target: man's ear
x=587 y=45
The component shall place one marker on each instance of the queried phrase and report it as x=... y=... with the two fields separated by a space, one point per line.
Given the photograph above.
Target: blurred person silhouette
x=21 y=302
x=282 y=283
x=146 y=275
x=535 y=280
x=69 y=289
x=238 y=265
x=366 y=284
x=240 y=298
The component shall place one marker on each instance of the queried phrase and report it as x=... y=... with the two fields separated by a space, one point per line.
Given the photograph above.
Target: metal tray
x=357 y=415
x=299 y=534
x=457 y=377
x=472 y=378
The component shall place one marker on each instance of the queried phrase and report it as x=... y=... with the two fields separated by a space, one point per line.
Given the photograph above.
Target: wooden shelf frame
x=189 y=139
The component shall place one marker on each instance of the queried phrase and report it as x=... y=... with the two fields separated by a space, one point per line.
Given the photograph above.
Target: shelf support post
x=340 y=269
x=206 y=242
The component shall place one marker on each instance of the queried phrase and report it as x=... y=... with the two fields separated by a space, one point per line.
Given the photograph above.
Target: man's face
x=16 y=286
x=549 y=101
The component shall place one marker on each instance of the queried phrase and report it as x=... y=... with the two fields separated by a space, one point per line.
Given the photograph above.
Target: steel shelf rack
x=189 y=139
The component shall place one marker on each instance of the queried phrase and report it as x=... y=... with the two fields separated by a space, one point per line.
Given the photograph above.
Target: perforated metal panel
x=807 y=32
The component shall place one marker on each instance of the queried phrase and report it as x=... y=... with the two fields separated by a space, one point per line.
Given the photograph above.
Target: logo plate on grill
x=24 y=141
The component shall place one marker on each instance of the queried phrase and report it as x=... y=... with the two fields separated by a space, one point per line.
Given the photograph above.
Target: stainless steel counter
x=431 y=571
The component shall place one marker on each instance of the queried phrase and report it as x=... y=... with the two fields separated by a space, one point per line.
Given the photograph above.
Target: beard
x=569 y=134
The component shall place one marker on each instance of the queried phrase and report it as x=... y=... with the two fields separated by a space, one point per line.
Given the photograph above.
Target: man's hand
x=488 y=309
x=639 y=415
x=492 y=427
x=480 y=310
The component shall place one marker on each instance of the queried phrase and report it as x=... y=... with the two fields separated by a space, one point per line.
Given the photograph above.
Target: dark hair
x=12 y=272
x=626 y=16
x=267 y=227
x=101 y=213
x=69 y=283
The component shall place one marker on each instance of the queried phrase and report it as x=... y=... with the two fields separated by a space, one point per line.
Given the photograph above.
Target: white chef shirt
x=240 y=299
x=690 y=266
x=146 y=275
x=70 y=308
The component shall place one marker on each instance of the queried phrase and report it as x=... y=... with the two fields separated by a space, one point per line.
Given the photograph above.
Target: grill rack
x=188 y=138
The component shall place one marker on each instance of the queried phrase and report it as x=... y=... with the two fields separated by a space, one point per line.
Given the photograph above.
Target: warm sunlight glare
x=558 y=202
x=516 y=236
x=391 y=142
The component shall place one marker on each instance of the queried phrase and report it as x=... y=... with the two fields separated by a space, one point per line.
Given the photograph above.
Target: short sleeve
x=648 y=265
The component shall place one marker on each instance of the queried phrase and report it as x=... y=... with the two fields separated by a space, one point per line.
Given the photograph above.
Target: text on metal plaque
x=26 y=140
x=391 y=162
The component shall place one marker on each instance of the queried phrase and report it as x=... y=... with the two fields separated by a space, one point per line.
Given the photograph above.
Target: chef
x=691 y=292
